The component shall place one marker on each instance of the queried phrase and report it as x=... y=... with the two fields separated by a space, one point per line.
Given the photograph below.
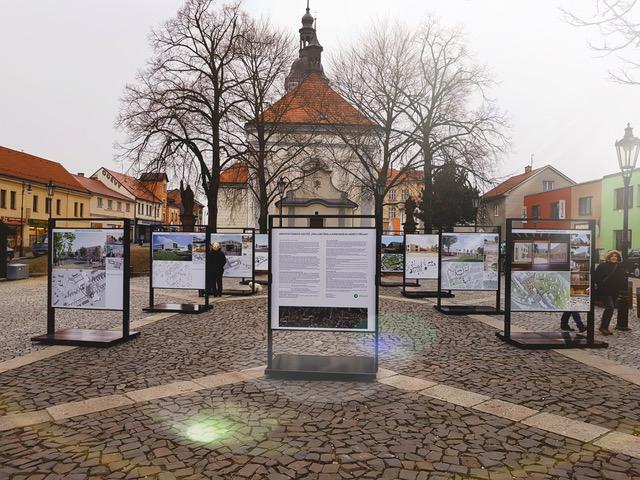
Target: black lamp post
x=627 y=150
x=282 y=184
x=476 y=206
x=26 y=186
x=51 y=189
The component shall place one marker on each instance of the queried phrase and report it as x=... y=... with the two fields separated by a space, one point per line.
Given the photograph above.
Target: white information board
x=179 y=260
x=421 y=256
x=391 y=254
x=323 y=279
x=551 y=270
x=469 y=261
x=87 y=268
x=261 y=257
x=238 y=248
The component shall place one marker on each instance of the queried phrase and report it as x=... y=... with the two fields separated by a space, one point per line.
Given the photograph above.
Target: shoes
x=582 y=329
x=604 y=331
x=566 y=328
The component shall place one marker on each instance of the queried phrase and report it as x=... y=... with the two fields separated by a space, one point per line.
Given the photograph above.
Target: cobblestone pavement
x=270 y=429
x=23 y=312
x=277 y=429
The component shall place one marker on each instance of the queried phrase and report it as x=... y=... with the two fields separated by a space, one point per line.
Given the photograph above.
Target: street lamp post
x=627 y=150
x=28 y=189
x=282 y=184
x=476 y=206
x=51 y=189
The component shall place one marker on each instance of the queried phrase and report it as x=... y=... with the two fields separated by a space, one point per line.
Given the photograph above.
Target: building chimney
x=527 y=169
x=80 y=174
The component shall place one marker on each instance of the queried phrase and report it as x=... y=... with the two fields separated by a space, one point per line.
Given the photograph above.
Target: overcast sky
x=64 y=64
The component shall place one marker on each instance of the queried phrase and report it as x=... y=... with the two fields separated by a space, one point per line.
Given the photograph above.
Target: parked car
x=40 y=248
x=633 y=262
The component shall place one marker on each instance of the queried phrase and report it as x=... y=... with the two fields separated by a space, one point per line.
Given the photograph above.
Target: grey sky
x=65 y=62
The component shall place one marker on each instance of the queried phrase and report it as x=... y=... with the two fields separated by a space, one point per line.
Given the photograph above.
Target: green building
x=612 y=208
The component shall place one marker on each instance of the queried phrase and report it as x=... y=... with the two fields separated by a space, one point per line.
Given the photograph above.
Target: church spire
x=310 y=53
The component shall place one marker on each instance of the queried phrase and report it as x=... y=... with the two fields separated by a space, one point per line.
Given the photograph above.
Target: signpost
x=469 y=261
x=550 y=270
x=88 y=269
x=178 y=261
x=323 y=279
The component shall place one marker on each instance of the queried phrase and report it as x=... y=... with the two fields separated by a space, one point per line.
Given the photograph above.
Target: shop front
x=14 y=231
x=37 y=231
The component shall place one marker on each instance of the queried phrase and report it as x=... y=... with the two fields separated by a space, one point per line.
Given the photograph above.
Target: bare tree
x=374 y=75
x=176 y=114
x=446 y=126
x=269 y=145
x=618 y=22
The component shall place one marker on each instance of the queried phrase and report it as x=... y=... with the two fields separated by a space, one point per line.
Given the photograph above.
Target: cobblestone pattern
x=416 y=340
x=281 y=430
x=23 y=314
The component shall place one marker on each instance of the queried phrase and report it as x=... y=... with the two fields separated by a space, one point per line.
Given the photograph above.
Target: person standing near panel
x=609 y=278
x=218 y=261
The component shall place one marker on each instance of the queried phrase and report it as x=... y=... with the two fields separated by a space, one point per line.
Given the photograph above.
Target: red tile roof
x=175 y=200
x=510 y=183
x=236 y=173
x=314 y=102
x=134 y=186
x=409 y=175
x=28 y=167
x=96 y=186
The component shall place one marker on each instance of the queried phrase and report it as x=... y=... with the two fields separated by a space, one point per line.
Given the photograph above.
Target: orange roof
x=510 y=183
x=412 y=174
x=134 y=186
x=314 y=102
x=236 y=173
x=23 y=166
x=175 y=200
x=96 y=186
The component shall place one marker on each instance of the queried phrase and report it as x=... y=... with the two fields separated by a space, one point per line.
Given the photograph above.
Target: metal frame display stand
x=469 y=309
x=419 y=293
x=3 y=250
x=238 y=292
x=395 y=284
x=548 y=340
x=178 y=307
x=86 y=337
x=246 y=281
x=322 y=367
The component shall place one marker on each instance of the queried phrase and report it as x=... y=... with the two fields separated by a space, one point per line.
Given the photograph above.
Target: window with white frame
x=547 y=185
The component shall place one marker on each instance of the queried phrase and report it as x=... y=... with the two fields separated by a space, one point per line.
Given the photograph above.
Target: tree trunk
x=427 y=194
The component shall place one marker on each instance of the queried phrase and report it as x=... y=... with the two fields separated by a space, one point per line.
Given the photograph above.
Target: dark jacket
x=609 y=279
x=218 y=261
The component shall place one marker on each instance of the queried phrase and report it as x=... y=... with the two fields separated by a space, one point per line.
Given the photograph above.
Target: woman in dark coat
x=218 y=261
x=609 y=278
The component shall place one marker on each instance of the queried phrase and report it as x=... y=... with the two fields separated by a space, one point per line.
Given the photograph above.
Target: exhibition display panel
x=178 y=261
x=469 y=261
x=238 y=246
x=88 y=269
x=392 y=258
x=549 y=270
x=421 y=262
x=323 y=279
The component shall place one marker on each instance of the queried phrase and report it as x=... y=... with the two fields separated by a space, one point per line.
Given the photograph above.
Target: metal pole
x=22 y=223
x=622 y=322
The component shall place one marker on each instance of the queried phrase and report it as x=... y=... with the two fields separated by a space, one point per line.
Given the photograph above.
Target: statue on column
x=409 y=208
x=187 y=218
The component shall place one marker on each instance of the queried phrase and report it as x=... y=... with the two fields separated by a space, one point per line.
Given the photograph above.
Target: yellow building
x=106 y=203
x=27 y=199
x=393 y=210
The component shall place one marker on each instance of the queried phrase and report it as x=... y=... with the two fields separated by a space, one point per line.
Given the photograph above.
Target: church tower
x=310 y=54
